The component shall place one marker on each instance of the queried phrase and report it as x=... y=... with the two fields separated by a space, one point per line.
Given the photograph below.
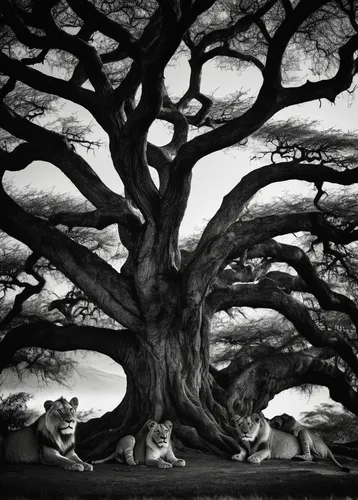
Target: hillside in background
x=97 y=382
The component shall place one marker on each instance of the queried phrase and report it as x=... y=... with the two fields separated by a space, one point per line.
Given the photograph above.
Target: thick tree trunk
x=167 y=379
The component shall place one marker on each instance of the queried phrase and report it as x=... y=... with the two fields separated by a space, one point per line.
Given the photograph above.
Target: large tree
x=110 y=58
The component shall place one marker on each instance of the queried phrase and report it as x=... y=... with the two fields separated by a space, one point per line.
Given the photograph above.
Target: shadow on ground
x=203 y=476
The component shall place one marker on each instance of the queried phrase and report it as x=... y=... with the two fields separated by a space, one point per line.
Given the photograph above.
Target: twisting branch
x=267 y=295
x=297 y=258
x=272 y=374
x=116 y=344
x=51 y=85
x=208 y=259
x=89 y=13
x=85 y=269
x=234 y=202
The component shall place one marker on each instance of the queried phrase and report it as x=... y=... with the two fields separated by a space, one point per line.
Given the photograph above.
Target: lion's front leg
x=75 y=458
x=172 y=459
x=262 y=454
x=49 y=456
x=240 y=457
x=158 y=462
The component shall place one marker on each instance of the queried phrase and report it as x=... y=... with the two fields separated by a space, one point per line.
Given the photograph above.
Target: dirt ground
x=204 y=475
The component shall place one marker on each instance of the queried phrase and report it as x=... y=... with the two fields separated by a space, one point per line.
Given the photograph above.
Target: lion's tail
x=104 y=460
x=332 y=457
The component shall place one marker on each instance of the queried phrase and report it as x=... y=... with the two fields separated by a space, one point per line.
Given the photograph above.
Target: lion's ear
x=236 y=418
x=151 y=424
x=285 y=417
x=168 y=424
x=74 y=403
x=255 y=417
x=48 y=404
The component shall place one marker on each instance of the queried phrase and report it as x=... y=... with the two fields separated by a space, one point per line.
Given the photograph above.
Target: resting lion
x=260 y=441
x=49 y=440
x=151 y=446
x=311 y=443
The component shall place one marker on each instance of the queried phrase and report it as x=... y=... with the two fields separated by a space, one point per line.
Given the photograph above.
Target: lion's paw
x=87 y=467
x=164 y=465
x=75 y=467
x=254 y=459
x=239 y=457
x=133 y=462
x=179 y=463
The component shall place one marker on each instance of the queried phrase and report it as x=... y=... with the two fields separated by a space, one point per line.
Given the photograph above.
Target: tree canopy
x=159 y=300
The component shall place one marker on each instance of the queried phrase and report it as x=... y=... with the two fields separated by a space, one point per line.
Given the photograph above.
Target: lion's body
x=50 y=440
x=259 y=441
x=152 y=447
x=311 y=444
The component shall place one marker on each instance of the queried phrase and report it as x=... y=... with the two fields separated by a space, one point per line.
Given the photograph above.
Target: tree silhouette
x=109 y=58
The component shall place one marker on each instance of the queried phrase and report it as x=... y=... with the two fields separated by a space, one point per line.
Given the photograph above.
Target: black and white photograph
x=179 y=249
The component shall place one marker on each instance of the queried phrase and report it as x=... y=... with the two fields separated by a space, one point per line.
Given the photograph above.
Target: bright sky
x=213 y=177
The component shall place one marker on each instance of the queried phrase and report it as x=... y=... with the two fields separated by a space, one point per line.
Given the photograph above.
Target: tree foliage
x=110 y=61
x=14 y=413
x=334 y=425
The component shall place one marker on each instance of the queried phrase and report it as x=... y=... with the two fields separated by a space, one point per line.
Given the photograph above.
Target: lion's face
x=248 y=427
x=160 y=433
x=61 y=415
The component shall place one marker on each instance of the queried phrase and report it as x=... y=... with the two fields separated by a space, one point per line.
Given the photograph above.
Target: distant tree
x=84 y=415
x=14 y=413
x=332 y=424
x=110 y=58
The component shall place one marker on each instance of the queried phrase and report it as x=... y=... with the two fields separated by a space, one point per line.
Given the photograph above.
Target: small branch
x=7 y=88
x=28 y=291
x=89 y=13
x=39 y=59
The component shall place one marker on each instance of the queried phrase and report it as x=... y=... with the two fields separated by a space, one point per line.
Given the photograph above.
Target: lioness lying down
x=152 y=446
x=259 y=441
x=311 y=444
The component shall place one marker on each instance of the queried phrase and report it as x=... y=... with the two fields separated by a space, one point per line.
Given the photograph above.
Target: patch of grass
x=198 y=497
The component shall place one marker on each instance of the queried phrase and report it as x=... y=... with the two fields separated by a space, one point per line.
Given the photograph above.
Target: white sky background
x=99 y=383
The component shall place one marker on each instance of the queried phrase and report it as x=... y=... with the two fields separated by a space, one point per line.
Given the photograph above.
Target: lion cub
x=310 y=442
x=151 y=446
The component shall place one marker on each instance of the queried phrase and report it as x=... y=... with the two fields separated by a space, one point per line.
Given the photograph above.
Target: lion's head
x=60 y=416
x=248 y=427
x=160 y=433
x=283 y=422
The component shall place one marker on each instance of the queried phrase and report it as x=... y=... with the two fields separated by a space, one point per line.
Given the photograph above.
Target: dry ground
x=204 y=476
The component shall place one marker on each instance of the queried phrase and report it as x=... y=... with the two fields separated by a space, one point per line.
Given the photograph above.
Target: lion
x=50 y=440
x=312 y=445
x=152 y=447
x=259 y=441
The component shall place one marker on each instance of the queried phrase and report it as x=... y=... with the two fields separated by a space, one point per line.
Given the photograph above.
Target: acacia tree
x=110 y=58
